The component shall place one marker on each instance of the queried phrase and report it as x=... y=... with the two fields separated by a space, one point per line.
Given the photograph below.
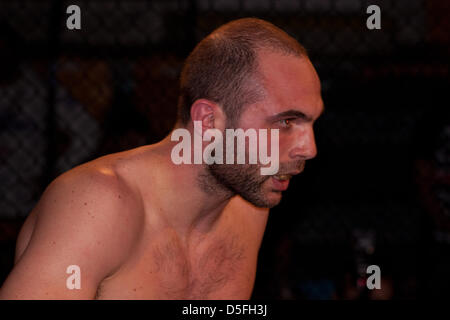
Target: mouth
x=281 y=181
x=282 y=177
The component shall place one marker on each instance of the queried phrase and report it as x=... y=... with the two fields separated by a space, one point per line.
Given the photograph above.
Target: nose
x=304 y=146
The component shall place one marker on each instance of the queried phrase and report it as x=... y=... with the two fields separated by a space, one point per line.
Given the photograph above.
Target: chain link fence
x=69 y=96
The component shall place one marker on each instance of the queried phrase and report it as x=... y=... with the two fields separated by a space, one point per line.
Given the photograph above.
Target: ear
x=209 y=113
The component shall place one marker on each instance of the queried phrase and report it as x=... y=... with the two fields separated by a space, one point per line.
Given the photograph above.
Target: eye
x=285 y=122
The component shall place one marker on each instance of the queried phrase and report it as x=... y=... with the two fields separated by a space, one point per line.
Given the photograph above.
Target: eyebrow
x=290 y=113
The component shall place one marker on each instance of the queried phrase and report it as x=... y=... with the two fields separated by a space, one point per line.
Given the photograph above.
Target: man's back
x=105 y=217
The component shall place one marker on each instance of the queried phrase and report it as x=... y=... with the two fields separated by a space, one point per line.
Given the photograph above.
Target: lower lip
x=280 y=185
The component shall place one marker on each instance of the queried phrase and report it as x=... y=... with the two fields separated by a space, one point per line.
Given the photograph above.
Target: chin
x=273 y=198
x=267 y=199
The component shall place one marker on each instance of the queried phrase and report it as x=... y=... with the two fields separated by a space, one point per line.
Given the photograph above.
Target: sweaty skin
x=140 y=227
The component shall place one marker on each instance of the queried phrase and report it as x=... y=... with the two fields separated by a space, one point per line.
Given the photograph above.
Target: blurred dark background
x=378 y=191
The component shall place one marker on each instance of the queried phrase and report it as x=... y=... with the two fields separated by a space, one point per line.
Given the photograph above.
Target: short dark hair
x=222 y=66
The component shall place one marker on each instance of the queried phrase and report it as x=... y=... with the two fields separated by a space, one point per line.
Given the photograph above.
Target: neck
x=194 y=199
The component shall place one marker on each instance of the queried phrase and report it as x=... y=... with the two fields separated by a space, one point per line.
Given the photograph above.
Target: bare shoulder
x=96 y=200
x=96 y=193
x=88 y=217
x=97 y=183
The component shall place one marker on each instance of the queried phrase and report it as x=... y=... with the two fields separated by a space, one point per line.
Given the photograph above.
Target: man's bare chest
x=221 y=268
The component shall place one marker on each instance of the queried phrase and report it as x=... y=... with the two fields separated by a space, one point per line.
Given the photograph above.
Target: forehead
x=290 y=83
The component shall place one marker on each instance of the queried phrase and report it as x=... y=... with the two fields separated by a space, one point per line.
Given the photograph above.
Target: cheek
x=286 y=142
x=292 y=138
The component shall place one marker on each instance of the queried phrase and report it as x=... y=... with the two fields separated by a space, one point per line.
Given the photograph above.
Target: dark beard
x=245 y=180
x=241 y=179
x=228 y=180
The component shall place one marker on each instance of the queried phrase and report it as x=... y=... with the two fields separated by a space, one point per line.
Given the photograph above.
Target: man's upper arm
x=82 y=220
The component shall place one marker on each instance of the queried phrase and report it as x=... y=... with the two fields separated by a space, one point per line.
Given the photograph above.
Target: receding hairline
x=279 y=40
x=262 y=53
x=245 y=40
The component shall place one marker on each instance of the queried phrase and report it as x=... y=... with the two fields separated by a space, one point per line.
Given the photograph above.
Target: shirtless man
x=140 y=226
